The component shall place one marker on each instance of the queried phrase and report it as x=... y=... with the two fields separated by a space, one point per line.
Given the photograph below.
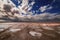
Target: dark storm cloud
x=7 y=7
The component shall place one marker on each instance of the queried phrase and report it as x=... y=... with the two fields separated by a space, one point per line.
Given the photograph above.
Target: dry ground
x=30 y=31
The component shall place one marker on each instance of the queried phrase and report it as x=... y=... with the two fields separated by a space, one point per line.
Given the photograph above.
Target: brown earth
x=49 y=31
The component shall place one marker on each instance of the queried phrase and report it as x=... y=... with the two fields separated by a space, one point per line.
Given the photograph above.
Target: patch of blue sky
x=16 y=2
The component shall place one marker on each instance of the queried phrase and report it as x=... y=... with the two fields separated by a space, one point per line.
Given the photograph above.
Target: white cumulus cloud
x=44 y=8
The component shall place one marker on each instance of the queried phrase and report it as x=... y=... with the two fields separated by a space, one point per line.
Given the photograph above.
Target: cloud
x=23 y=7
x=30 y=16
x=7 y=7
x=24 y=2
x=31 y=5
x=44 y=8
x=45 y=16
x=39 y=17
x=2 y=2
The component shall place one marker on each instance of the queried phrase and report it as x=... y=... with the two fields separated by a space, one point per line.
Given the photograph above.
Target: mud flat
x=32 y=31
x=30 y=24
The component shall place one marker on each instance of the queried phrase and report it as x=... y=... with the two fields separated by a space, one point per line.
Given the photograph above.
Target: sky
x=52 y=4
x=38 y=10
